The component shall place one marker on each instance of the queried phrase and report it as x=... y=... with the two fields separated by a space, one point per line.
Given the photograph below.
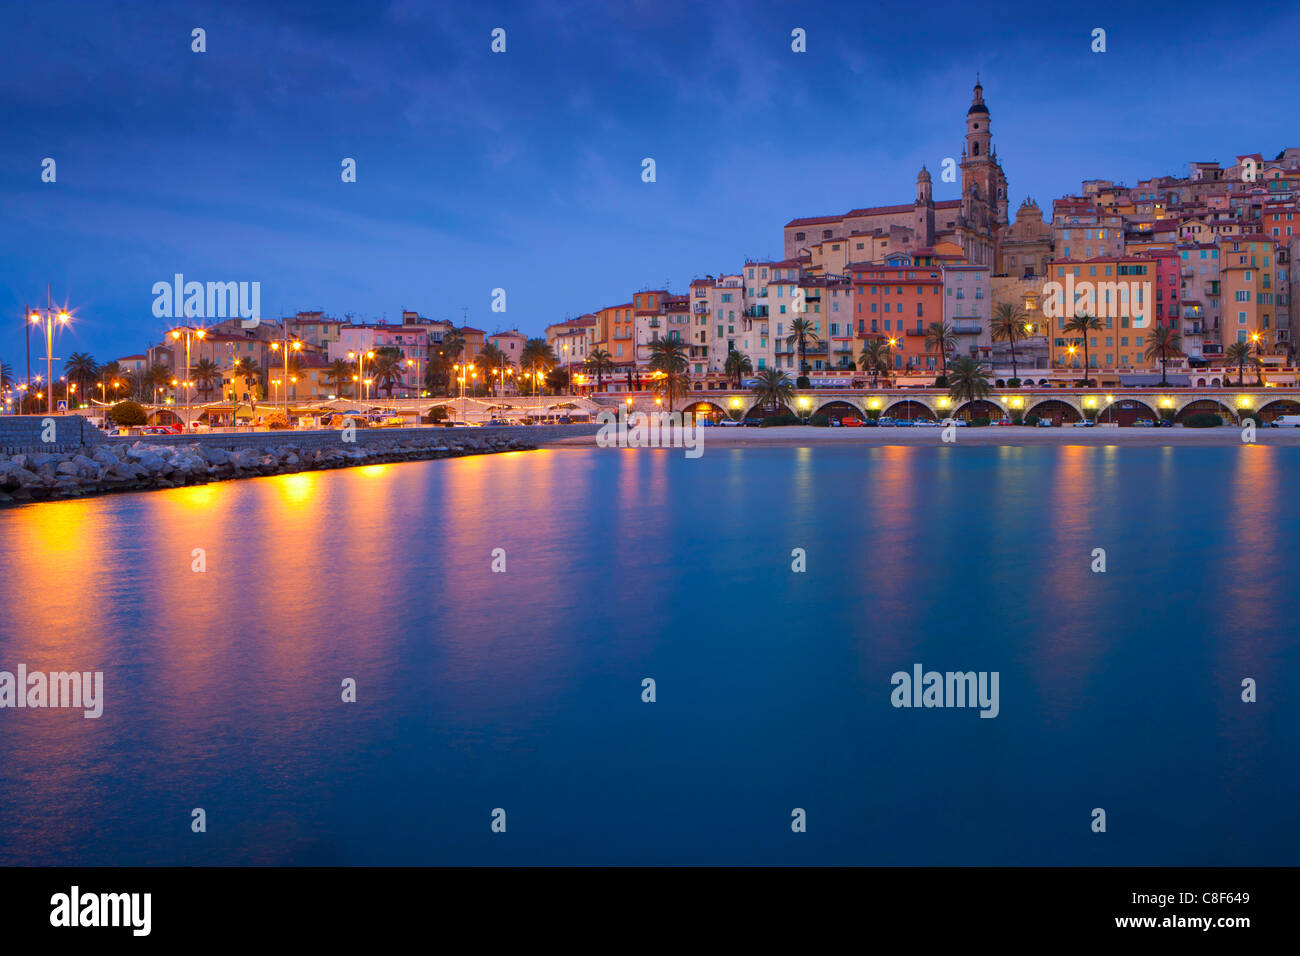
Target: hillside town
x=1184 y=279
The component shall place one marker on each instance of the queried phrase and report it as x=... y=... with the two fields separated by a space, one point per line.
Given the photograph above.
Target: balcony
x=755 y=312
x=967 y=326
x=701 y=308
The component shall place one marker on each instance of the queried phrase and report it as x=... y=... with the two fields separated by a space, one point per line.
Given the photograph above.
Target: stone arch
x=1057 y=410
x=1206 y=405
x=980 y=408
x=909 y=408
x=705 y=410
x=757 y=413
x=1125 y=411
x=164 y=416
x=1279 y=406
x=838 y=408
x=999 y=383
x=1200 y=383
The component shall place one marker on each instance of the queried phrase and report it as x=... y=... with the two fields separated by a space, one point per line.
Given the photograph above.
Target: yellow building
x=1247 y=264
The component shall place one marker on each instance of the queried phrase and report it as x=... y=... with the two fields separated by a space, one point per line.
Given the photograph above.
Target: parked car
x=885 y=421
x=1045 y=423
x=1144 y=423
x=903 y=423
x=956 y=422
x=851 y=422
x=834 y=423
x=1086 y=423
x=731 y=423
x=1164 y=423
x=926 y=423
x=1286 y=421
x=1001 y=421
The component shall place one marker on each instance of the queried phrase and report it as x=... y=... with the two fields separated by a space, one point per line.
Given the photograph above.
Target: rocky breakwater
x=143 y=465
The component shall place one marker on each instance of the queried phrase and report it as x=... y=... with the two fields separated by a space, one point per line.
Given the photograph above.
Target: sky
x=522 y=170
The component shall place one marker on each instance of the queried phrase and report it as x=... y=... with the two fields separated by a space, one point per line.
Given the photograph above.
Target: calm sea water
x=522 y=690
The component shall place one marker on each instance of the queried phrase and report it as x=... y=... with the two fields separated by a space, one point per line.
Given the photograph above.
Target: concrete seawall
x=79 y=460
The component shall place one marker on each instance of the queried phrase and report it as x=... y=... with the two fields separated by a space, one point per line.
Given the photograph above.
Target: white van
x=1287 y=421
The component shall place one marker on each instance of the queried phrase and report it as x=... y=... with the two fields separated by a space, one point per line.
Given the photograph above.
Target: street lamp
x=50 y=318
x=416 y=364
x=360 y=377
x=189 y=332
x=293 y=346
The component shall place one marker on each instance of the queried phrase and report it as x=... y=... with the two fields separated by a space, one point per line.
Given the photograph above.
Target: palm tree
x=773 y=389
x=490 y=361
x=801 y=335
x=668 y=361
x=1166 y=344
x=157 y=377
x=81 y=368
x=599 y=362
x=536 y=355
x=1007 y=326
x=737 y=366
x=1082 y=324
x=941 y=337
x=968 y=381
x=6 y=377
x=206 y=373
x=875 y=358
x=387 y=369
x=1238 y=354
x=246 y=369
x=339 y=374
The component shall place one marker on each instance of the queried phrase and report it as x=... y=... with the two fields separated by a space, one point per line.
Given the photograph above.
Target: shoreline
x=36 y=477
x=1013 y=435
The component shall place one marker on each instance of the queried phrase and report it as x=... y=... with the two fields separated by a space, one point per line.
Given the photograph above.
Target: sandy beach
x=803 y=435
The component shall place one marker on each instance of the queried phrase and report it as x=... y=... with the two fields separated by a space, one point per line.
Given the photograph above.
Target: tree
x=968 y=380
x=156 y=378
x=339 y=374
x=490 y=362
x=941 y=337
x=599 y=363
x=668 y=361
x=801 y=335
x=557 y=380
x=1238 y=354
x=537 y=356
x=207 y=373
x=127 y=413
x=82 y=369
x=1165 y=344
x=246 y=370
x=1007 y=326
x=6 y=377
x=773 y=389
x=737 y=366
x=875 y=358
x=1081 y=325
x=387 y=368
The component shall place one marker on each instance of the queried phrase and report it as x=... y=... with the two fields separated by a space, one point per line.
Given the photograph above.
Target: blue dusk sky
x=522 y=170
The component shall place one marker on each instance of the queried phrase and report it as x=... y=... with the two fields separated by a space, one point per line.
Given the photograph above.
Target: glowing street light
x=189 y=332
x=49 y=326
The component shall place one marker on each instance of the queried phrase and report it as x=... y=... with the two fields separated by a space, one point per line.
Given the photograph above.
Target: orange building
x=897 y=301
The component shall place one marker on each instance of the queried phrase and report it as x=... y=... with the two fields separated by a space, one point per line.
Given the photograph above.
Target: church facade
x=973 y=222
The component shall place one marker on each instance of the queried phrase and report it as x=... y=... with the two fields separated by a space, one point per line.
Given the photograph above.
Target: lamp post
x=289 y=346
x=360 y=377
x=49 y=325
x=416 y=363
x=189 y=332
